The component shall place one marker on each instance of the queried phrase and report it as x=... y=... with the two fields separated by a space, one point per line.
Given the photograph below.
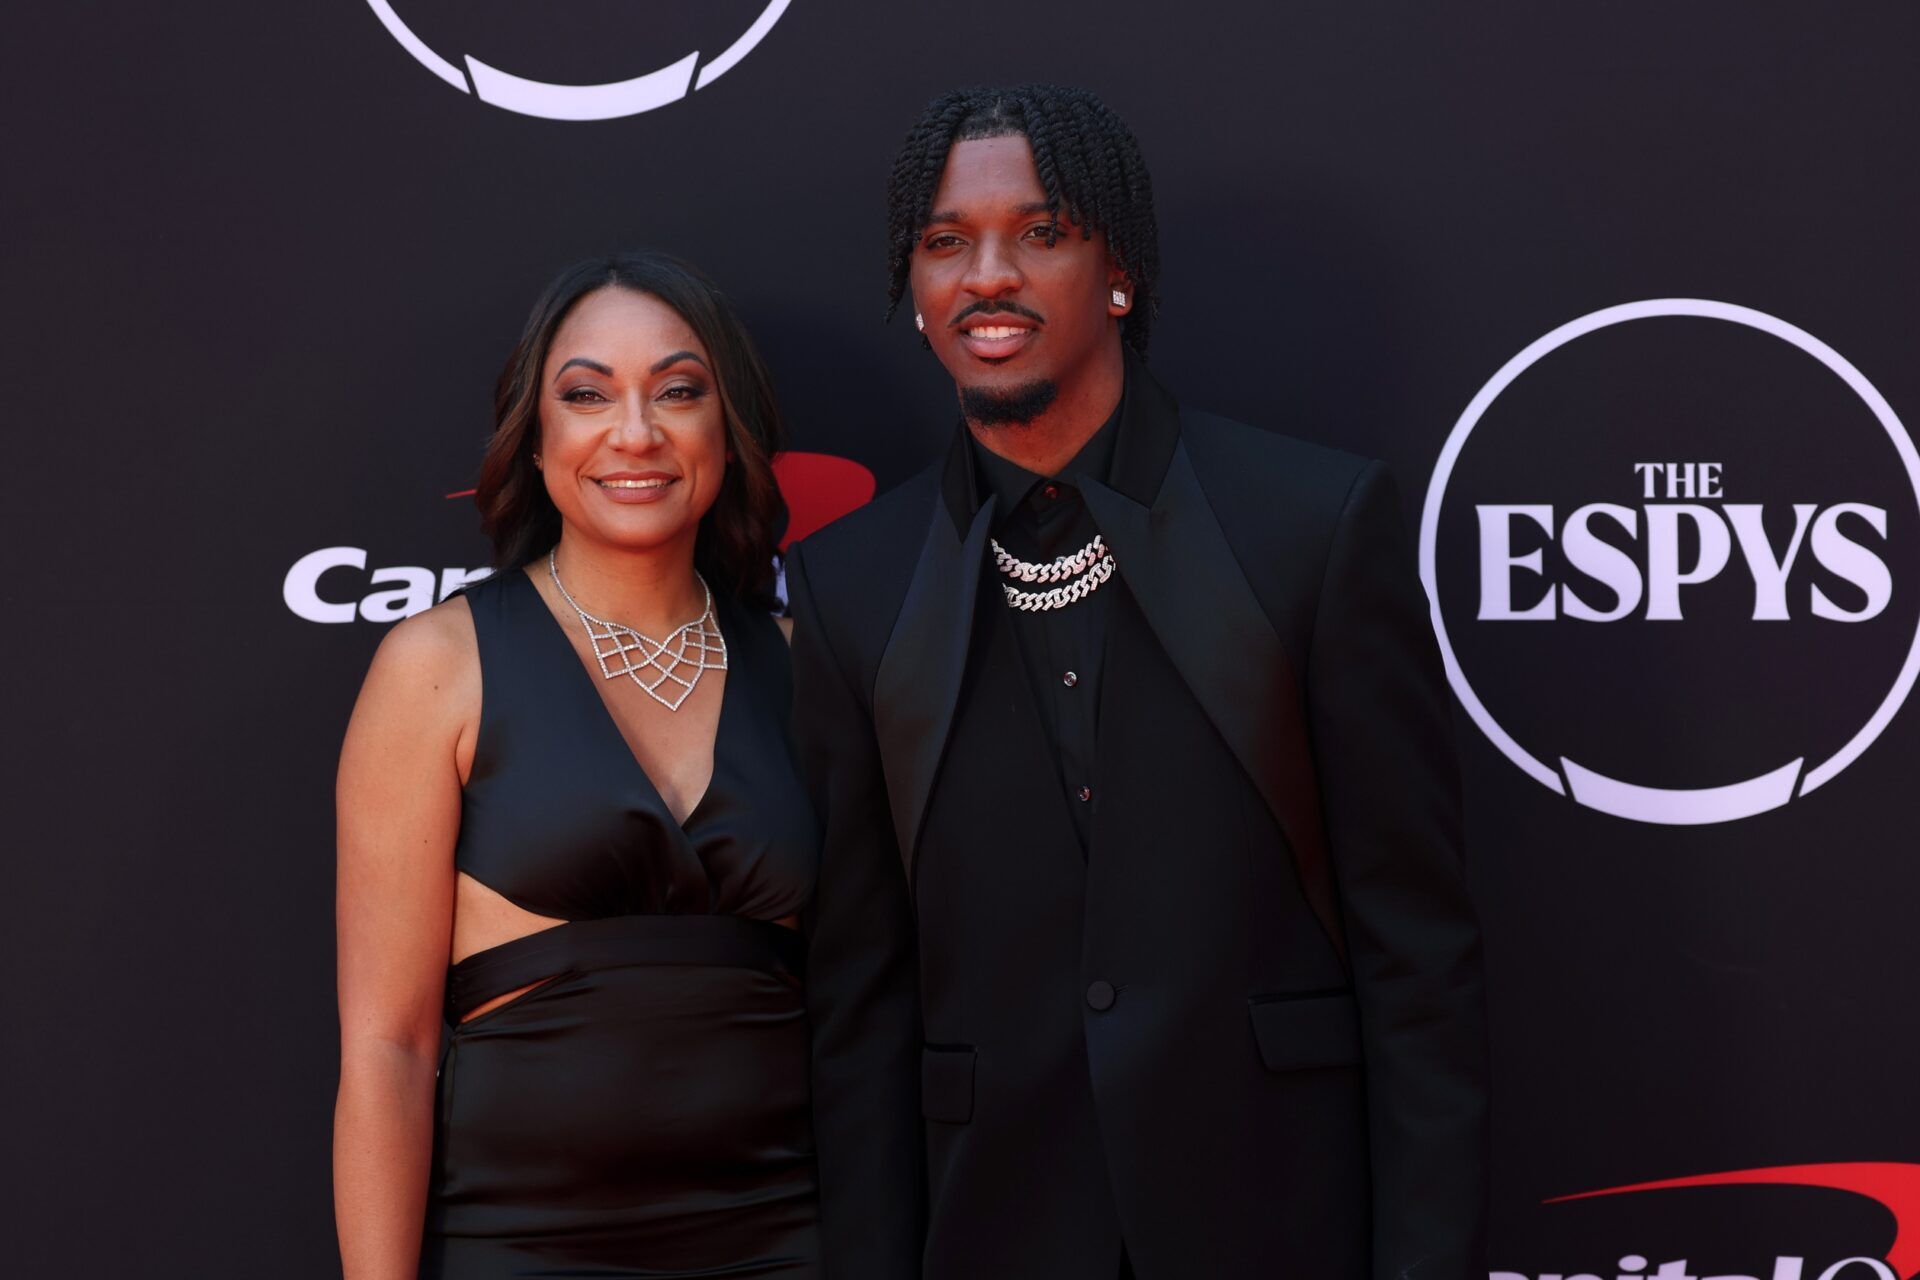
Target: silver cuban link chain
x=1079 y=574
x=1057 y=570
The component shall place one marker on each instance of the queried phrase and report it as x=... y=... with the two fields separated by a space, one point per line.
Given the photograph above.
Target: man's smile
x=996 y=337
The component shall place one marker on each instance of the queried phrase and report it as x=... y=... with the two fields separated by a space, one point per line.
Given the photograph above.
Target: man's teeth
x=633 y=484
x=997 y=331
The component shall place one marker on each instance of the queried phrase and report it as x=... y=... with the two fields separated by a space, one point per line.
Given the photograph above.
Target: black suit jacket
x=1244 y=1032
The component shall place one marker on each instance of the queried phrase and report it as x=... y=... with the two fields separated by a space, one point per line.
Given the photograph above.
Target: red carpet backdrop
x=1625 y=293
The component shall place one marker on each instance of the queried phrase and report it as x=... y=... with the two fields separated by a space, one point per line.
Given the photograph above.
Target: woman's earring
x=919 y=322
x=536 y=462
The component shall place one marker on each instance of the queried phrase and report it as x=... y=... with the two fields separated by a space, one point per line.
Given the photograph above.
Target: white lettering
x=1784 y=1268
x=1683 y=479
x=1603 y=562
x=301 y=590
x=1619 y=571
x=1497 y=563
x=1879 y=1268
x=1664 y=576
x=391 y=606
x=1769 y=575
x=418 y=588
x=1849 y=560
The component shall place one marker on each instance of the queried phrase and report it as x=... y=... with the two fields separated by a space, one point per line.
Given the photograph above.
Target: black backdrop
x=262 y=267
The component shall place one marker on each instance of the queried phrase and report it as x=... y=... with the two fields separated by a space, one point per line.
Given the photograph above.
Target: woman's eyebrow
x=605 y=371
x=675 y=358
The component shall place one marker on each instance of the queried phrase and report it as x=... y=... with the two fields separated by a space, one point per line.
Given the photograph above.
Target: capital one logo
x=1672 y=551
x=656 y=86
x=333 y=584
x=1894 y=1187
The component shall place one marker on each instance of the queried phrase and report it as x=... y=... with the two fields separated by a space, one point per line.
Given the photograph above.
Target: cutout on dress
x=512 y=997
x=485 y=918
x=497 y=920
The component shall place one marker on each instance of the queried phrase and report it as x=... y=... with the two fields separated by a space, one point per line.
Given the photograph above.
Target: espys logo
x=330 y=585
x=610 y=100
x=1894 y=1187
x=1671 y=550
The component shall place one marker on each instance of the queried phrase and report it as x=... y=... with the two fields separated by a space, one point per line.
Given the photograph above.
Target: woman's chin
x=643 y=529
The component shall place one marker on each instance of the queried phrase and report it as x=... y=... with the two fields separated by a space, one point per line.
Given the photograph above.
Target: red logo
x=819 y=489
x=1896 y=1187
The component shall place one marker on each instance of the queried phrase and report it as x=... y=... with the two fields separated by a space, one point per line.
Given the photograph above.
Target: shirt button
x=1100 y=996
x=1050 y=491
x=1085 y=793
x=1070 y=679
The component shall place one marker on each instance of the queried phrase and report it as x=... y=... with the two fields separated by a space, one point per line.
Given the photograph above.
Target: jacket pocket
x=946 y=1083
x=1314 y=1029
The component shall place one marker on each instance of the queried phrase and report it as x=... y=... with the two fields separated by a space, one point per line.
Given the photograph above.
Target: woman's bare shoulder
x=429 y=661
x=438 y=639
x=436 y=634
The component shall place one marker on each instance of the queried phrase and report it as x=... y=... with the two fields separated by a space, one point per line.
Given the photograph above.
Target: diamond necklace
x=1081 y=574
x=659 y=663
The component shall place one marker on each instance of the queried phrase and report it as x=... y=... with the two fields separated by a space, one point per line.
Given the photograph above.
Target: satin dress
x=643 y=1111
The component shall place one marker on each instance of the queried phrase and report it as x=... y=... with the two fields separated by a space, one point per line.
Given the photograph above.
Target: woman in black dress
x=572 y=784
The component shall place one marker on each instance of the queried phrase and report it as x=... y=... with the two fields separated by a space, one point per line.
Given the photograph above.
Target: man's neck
x=1050 y=441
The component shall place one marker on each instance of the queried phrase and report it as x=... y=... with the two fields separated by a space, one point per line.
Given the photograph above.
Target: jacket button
x=1100 y=996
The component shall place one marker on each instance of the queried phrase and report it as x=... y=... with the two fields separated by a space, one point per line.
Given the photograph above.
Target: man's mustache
x=988 y=307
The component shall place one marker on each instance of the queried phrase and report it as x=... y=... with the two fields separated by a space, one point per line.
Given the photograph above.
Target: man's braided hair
x=1090 y=168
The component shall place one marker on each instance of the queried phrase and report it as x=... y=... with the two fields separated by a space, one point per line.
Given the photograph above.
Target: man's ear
x=919 y=322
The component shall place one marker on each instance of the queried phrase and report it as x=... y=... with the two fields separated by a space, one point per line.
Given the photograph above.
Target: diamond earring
x=1119 y=298
x=919 y=322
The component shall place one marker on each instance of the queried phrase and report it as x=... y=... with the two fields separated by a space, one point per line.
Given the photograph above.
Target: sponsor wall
x=1624 y=293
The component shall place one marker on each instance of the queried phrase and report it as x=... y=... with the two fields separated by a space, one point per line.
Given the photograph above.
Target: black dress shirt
x=1040 y=518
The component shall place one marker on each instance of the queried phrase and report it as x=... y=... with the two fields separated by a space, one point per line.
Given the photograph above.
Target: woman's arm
x=398 y=799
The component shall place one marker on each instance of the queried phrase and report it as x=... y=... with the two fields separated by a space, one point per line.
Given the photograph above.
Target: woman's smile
x=636 y=486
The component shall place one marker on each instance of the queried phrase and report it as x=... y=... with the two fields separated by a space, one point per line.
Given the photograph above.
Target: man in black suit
x=1141 y=944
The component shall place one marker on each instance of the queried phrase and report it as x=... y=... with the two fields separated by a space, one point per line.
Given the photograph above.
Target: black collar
x=1013 y=484
x=1140 y=437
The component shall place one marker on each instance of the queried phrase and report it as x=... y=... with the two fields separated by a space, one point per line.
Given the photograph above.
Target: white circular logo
x=1691 y=511
x=608 y=101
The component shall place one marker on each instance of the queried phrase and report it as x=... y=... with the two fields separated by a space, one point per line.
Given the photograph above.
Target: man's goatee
x=1013 y=406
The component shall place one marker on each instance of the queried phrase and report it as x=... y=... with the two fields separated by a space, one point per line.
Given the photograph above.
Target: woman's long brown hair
x=735 y=547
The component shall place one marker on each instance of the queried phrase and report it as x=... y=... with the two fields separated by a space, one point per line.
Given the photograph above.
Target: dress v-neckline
x=591 y=690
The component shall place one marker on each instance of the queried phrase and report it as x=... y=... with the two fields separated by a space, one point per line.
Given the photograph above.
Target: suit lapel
x=1175 y=558
x=917 y=685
